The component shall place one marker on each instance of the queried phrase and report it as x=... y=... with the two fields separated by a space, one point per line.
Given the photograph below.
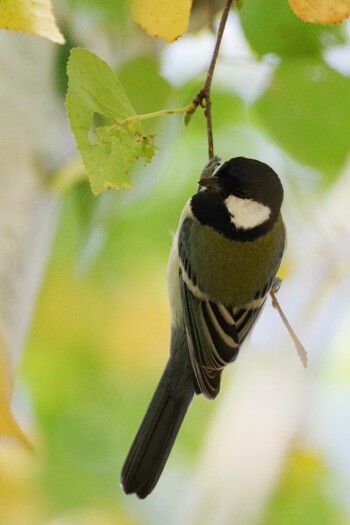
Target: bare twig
x=299 y=347
x=203 y=98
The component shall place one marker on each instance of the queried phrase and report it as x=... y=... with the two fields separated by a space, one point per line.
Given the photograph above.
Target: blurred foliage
x=61 y=59
x=305 y=109
x=108 y=11
x=101 y=331
x=282 y=33
x=147 y=89
x=301 y=496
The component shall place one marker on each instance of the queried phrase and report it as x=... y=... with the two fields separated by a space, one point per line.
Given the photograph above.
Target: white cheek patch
x=246 y=214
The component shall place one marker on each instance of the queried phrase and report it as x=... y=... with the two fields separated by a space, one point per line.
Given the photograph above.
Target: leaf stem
x=203 y=98
x=190 y=108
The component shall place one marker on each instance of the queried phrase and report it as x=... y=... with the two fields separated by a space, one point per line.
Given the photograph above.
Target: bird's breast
x=232 y=272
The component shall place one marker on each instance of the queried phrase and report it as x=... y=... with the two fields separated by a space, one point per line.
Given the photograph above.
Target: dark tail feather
x=155 y=438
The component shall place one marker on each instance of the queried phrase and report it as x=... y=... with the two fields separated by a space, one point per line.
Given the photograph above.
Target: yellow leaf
x=8 y=425
x=167 y=19
x=31 y=16
x=321 y=11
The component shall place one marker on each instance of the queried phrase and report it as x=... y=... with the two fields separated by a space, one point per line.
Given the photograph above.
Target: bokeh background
x=83 y=279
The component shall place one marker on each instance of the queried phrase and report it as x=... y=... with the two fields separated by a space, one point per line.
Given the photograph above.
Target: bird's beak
x=213 y=182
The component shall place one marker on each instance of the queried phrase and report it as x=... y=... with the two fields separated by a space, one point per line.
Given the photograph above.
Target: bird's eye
x=244 y=194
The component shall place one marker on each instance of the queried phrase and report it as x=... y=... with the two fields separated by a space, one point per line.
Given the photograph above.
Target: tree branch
x=203 y=98
x=299 y=347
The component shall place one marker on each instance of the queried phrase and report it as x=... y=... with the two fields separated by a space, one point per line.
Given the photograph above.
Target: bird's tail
x=156 y=435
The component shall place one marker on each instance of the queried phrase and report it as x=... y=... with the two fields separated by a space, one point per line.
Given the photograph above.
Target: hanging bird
x=224 y=259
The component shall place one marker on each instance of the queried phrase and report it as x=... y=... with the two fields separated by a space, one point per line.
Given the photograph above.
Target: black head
x=242 y=199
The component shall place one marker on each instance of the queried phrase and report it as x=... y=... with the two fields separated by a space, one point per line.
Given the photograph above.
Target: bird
x=223 y=263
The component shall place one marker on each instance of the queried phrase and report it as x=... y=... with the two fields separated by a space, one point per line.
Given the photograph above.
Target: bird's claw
x=276 y=285
x=210 y=168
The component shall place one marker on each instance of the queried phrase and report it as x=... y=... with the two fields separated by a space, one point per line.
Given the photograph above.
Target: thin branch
x=203 y=98
x=299 y=347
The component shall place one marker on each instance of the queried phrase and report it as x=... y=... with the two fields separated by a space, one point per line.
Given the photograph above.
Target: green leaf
x=306 y=109
x=274 y=28
x=96 y=105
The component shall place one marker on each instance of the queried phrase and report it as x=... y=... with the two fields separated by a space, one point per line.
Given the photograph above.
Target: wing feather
x=214 y=331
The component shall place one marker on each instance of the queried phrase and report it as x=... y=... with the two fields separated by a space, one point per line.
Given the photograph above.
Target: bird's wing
x=214 y=331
